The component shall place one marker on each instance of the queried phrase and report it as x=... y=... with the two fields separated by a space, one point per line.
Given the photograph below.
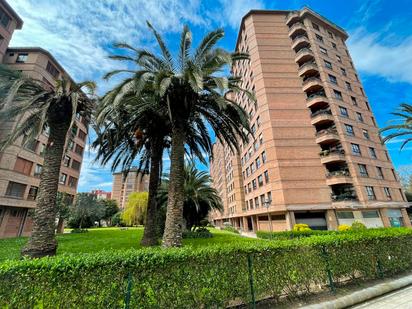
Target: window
x=348 y=86
x=75 y=165
x=252 y=167
x=334 y=45
x=363 y=93
x=256 y=145
x=256 y=202
x=264 y=156
x=260 y=180
x=257 y=162
x=22 y=58
x=356 y=149
x=387 y=193
x=343 y=71
x=370 y=192
x=395 y=217
x=370 y=214
x=365 y=134
x=372 y=153
x=79 y=149
x=82 y=135
x=395 y=176
x=253 y=129
x=333 y=79
x=52 y=69
x=42 y=149
x=323 y=50
x=32 y=193
x=359 y=117
x=249 y=186
x=72 y=182
x=4 y=19
x=343 y=111
x=30 y=144
x=338 y=58
x=363 y=170
x=23 y=166
x=330 y=35
x=66 y=161
x=338 y=95
x=70 y=145
x=349 y=130
x=328 y=65
x=37 y=170
x=258 y=121
x=62 y=178
x=254 y=184
x=269 y=197
x=261 y=138
x=373 y=121
x=367 y=106
x=15 y=189
x=354 y=102
x=315 y=26
x=345 y=215
x=319 y=38
x=379 y=172
x=247 y=171
x=262 y=200
x=266 y=173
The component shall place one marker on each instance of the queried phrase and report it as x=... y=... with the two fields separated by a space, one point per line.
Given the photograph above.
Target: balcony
x=300 y=41
x=345 y=196
x=309 y=69
x=327 y=136
x=297 y=29
x=304 y=55
x=338 y=177
x=322 y=116
x=292 y=17
x=313 y=85
x=332 y=156
x=317 y=100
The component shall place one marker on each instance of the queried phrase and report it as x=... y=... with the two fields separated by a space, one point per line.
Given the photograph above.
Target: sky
x=80 y=34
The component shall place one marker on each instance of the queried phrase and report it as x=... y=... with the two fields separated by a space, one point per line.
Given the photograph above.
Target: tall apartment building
x=316 y=156
x=9 y=21
x=122 y=187
x=20 y=167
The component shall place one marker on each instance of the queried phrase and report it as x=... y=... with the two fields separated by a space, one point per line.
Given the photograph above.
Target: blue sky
x=80 y=33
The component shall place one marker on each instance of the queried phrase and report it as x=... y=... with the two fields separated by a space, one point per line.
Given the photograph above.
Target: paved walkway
x=401 y=299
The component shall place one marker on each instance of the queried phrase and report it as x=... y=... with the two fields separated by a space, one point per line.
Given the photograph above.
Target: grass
x=99 y=239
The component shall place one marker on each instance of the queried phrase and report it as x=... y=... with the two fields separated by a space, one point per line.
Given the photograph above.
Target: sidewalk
x=400 y=299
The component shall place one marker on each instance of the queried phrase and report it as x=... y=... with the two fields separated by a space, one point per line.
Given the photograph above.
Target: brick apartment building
x=122 y=187
x=101 y=194
x=316 y=156
x=20 y=167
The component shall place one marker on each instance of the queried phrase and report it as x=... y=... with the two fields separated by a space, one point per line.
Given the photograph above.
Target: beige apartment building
x=316 y=156
x=20 y=167
x=122 y=187
x=9 y=21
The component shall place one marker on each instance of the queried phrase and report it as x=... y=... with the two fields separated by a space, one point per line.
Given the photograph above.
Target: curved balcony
x=347 y=196
x=327 y=136
x=304 y=55
x=300 y=41
x=297 y=29
x=338 y=177
x=319 y=99
x=309 y=68
x=332 y=156
x=322 y=116
x=292 y=17
x=312 y=84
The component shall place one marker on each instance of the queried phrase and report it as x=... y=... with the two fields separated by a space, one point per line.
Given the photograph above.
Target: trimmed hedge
x=292 y=234
x=202 y=277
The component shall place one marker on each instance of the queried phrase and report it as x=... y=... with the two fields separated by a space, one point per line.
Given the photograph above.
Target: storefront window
x=395 y=217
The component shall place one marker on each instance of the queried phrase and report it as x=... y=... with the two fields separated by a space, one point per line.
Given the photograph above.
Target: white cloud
x=373 y=57
x=233 y=11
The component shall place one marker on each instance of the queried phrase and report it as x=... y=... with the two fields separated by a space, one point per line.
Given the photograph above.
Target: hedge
x=292 y=234
x=202 y=277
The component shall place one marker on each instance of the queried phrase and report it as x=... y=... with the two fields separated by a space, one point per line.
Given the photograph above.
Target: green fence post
x=251 y=283
x=328 y=270
x=128 y=291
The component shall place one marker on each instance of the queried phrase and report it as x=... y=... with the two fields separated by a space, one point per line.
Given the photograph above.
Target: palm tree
x=402 y=129
x=38 y=107
x=196 y=94
x=199 y=196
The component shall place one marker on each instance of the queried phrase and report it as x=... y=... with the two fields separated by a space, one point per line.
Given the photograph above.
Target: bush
x=301 y=227
x=78 y=231
x=205 y=277
x=358 y=226
x=230 y=229
x=198 y=233
x=344 y=228
x=292 y=234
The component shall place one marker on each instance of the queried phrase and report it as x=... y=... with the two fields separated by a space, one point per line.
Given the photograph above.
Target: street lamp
x=267 y=205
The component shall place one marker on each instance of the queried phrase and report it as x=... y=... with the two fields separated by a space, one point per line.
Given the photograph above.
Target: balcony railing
x=321 y=112
x=296 y=25
x=299 y=37
x=338 y=173
x=347 y=196
x=327 y=131
x=328 y=152
x=304 y=50
x=313 y=79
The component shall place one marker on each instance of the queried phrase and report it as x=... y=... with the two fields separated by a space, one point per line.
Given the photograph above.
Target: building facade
x=122 y=187
x=9 y=21
x=101 y=194
x=316 y=156
x=20 y=167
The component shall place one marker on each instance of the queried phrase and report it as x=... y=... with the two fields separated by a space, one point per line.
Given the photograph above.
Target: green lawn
x=109 y=239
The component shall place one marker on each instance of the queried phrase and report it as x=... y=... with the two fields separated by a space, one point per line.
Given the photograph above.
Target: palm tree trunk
x=172 y=236
x=150 y=228
x=60 y=226
x=43 y=241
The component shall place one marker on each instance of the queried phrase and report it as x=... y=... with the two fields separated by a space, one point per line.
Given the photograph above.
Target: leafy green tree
x=136 y=208
x=403 y=129
x=196 y=94
x=86 y=211
x=199 y=197
x=38 y=107
x=110 y=209
x=64 y=202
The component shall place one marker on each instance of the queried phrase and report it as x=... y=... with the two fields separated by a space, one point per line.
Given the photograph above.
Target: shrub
x=205 y=277
x=78 y=231
x=292 y=234
x=198 y=233
x=344 y=228
x=231 y=229
x=358 y=226
x=301 y=227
